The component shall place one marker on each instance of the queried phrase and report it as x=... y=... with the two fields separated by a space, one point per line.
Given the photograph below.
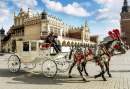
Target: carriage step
x=70 y=61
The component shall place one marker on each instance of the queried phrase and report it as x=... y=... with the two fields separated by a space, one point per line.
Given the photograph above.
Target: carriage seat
x=46 y=45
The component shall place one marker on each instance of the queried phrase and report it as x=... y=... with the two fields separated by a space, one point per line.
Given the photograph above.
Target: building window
x=51 y=29
x=59 y=32
x=44 y=28
x=55 y=30
x=86 y=36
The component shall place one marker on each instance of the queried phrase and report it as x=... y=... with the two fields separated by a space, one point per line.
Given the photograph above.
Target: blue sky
x=102 y=15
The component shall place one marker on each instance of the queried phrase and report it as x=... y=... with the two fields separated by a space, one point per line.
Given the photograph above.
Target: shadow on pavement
x=24 y=77
x=120 y=71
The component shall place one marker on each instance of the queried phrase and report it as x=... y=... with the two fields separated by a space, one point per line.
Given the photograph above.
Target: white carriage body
x=35 y=54
x=31 y=52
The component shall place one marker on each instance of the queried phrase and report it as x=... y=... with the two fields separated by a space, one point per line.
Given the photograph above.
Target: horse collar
x=105 y=50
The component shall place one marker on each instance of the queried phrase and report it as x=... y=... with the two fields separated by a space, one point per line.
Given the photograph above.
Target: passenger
x=51 y=39
x=25 y=47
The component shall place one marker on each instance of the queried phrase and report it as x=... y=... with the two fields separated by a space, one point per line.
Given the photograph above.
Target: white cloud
x=6 y=16
x=74 y=9
x=103 y=31
x=25 y=3
x=92 y=21
x=110 y=11
x=87 y=4
x=4 y=11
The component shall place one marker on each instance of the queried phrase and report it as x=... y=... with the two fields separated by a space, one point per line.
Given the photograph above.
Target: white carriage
x=38 y=52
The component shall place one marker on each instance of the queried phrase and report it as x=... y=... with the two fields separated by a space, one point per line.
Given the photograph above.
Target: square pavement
x=34 y=79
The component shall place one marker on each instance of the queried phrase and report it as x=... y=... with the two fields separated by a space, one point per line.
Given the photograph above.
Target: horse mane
x=70 y=54
x=108 y=44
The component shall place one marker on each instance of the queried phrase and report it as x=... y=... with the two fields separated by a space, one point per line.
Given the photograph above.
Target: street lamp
x=124 y=38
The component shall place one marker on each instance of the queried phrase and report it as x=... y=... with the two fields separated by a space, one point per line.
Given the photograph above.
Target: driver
x=51 y=39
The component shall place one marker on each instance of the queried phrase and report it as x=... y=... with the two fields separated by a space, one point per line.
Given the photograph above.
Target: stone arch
x=91 y=45
x=68 y=43
x=84 y=45
x=72 y=43
x=63 y=43
x=88 y=44
x=76 y=44
x=58 y=42
x=81 y=44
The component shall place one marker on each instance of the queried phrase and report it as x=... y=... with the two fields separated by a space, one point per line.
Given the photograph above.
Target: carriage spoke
x=49 y=68
x=14 y=63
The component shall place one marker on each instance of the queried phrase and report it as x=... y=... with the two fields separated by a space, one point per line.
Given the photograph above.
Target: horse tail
x=70 y=55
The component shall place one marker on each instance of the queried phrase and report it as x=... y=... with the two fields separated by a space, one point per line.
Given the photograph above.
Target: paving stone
x=34 y=79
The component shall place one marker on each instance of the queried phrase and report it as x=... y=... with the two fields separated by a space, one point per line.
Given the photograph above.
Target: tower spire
x=44 y=9
x=21 y=10
x=126 y=7
x=125 y=3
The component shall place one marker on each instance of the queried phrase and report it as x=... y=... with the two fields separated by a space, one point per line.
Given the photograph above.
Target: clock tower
x=125 y=23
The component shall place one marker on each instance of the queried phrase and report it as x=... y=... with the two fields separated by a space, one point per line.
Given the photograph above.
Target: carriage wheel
x=62 y=65
x=14 y=63
x=49 y=68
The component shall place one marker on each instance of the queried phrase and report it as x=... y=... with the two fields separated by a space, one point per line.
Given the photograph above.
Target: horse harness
x=105 y=50
x=78 y=55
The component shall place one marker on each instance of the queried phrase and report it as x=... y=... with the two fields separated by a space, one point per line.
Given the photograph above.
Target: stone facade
x=36 y=27
x=125 y=23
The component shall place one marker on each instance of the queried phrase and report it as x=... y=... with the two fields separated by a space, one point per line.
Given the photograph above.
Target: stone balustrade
x=18 y=34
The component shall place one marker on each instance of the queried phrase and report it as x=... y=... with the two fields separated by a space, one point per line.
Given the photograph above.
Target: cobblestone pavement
x=34 y=79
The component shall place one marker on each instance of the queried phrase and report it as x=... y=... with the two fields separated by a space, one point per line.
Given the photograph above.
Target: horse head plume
x=117 y=33
x=111 y=34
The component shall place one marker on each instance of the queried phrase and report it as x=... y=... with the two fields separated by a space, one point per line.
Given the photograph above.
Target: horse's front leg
x=79 y=69
x=108 y=67
x=102 y=73
x=72 y=65
x=84 y=67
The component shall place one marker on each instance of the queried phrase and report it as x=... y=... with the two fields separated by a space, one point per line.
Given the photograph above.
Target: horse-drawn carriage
x=37 y=51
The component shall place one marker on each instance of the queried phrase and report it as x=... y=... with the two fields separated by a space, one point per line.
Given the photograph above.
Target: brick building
x=125 y=23
x=95 y=39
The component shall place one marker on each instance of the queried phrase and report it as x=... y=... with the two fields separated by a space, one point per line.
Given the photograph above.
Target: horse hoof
x=110 y=76
x=104 y=80
x=95 y=76
x=70 y=76
x=84 y=79
x=87 y=74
